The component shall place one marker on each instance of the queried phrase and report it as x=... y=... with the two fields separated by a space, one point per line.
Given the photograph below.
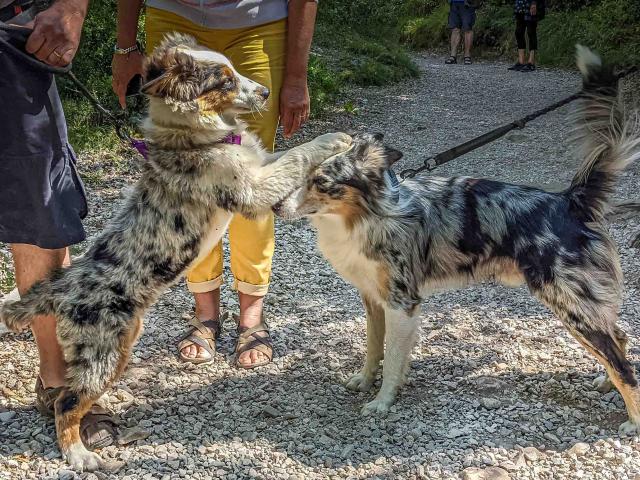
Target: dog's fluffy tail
x=607 y=141
x=18 y=314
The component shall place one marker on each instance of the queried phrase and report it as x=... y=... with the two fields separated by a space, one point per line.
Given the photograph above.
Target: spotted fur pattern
x=189 y=188
x=400 y=243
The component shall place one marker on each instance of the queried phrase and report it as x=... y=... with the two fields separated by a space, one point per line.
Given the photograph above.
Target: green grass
x=429 y=31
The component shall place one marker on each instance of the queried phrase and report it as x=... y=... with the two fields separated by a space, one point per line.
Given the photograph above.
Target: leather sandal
x=98 y=429
x=203 y=334
x=252 y=339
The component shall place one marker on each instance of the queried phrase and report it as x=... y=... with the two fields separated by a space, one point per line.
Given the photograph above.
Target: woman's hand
x=124 y=68
x=56 y=32
x=533 y=10
x=294 y=105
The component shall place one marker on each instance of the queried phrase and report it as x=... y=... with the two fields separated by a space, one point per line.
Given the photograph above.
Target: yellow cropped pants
x=258 y=53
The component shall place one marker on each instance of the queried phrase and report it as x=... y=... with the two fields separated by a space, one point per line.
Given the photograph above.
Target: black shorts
x=461 y=16
x=42 y=199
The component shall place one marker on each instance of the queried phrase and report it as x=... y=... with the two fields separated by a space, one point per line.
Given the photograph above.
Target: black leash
x=432 y=162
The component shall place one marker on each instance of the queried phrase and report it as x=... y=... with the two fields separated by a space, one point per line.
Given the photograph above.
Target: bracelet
x=126 y=51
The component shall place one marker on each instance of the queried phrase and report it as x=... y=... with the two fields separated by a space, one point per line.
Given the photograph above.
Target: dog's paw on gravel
x=603 y=384
x=379 y=407
x=629 y=429
x=360 y=382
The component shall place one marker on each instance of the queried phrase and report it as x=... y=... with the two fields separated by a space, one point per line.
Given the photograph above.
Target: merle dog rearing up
x=398 y=244
x=190 y=187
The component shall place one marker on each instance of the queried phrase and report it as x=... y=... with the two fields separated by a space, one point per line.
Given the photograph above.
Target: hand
x=533 y=10
x=56 y=32
x=294 y=105
x=124 y=68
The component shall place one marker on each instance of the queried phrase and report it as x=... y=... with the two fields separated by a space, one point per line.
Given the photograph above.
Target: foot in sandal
x=198 y=345
x=254 y=347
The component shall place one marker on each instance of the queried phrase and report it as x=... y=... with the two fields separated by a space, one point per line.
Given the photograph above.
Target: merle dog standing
x=399 y=244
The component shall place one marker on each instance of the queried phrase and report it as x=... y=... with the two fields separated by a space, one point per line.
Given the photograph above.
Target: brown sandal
x=203 y=334
x=98 y=429
x=248 y=340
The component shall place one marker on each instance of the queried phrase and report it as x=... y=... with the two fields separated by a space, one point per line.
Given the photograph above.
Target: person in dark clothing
x=42 y=198
x=527 y=14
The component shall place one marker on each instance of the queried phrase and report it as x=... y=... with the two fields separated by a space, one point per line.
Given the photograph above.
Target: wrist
x=75 y=7
x=121 y=49
x=295 y=79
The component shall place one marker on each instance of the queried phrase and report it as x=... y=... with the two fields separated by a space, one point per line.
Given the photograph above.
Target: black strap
x=430 y=163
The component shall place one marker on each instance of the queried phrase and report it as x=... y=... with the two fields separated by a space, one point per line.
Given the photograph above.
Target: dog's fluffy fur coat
x=398 y=244
x=188 y=191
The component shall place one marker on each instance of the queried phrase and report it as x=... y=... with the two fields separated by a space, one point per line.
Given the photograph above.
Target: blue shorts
x=461 y=16
x=42 y=199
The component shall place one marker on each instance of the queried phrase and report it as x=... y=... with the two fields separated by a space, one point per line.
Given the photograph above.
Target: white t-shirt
x=225 y=14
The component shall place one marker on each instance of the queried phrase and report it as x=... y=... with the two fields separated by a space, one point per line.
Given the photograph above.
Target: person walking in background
x=267 y=41
x=527 y=13
x=462 y=16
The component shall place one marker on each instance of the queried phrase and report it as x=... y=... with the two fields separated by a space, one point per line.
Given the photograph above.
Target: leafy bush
x=427 y=32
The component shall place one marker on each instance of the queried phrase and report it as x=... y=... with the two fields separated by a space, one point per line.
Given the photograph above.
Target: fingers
x=35 y=41
x=287 y=122
x=293 y=118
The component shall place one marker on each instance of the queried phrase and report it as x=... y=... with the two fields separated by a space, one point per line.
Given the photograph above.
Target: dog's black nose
x=265 y=93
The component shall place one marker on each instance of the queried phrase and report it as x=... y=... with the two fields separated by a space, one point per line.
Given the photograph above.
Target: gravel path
x=496 y=383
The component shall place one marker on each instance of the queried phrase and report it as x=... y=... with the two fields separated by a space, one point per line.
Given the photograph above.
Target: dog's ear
x=392 y=155
x=172 y=75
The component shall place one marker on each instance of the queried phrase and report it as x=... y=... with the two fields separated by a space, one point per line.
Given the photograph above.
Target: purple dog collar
x=141 y=145
x=233 y=139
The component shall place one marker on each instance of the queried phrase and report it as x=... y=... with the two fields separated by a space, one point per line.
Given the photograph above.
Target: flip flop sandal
x=204 y=334
x=249 y=339
x=451 y=60
x=468 y=61
x=98 y=429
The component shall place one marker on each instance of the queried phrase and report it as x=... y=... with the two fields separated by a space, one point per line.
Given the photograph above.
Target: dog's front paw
x=333 y=143
x=629 y=429
x=379 y=406
x=603 y=384
x=14 y=323
x=360 y=382
x=82 y=460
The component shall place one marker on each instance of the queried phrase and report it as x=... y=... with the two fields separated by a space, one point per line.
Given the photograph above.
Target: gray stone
x=7 y=416
x=489 y=473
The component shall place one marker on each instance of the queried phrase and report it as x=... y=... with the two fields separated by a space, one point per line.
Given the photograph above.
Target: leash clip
x=429 y=164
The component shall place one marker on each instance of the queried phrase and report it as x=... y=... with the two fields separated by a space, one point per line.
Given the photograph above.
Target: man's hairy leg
x=455 y=41
x=468 y=42
x=31 y=264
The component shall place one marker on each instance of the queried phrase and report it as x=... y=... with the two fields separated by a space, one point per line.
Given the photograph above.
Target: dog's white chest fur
x=342 y=248
x=217 y=229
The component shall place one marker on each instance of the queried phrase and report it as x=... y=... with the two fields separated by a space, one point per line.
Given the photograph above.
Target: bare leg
x=250 y=316
x=532 y=57
x=455 y=41
x=401 y=336
x=468 y=43
x=207 y=308
x=521 y=54
x=31 y=264
x=363 y=380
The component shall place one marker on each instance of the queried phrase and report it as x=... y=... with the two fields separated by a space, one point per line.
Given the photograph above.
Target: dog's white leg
x=401 y=336
x=363 y=380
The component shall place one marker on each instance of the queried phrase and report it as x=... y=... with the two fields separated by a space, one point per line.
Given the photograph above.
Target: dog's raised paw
x=337 y=142
x=603 y=384
x=629 y=429
x=360 y=382
x=379 y=407
x=82 y=460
